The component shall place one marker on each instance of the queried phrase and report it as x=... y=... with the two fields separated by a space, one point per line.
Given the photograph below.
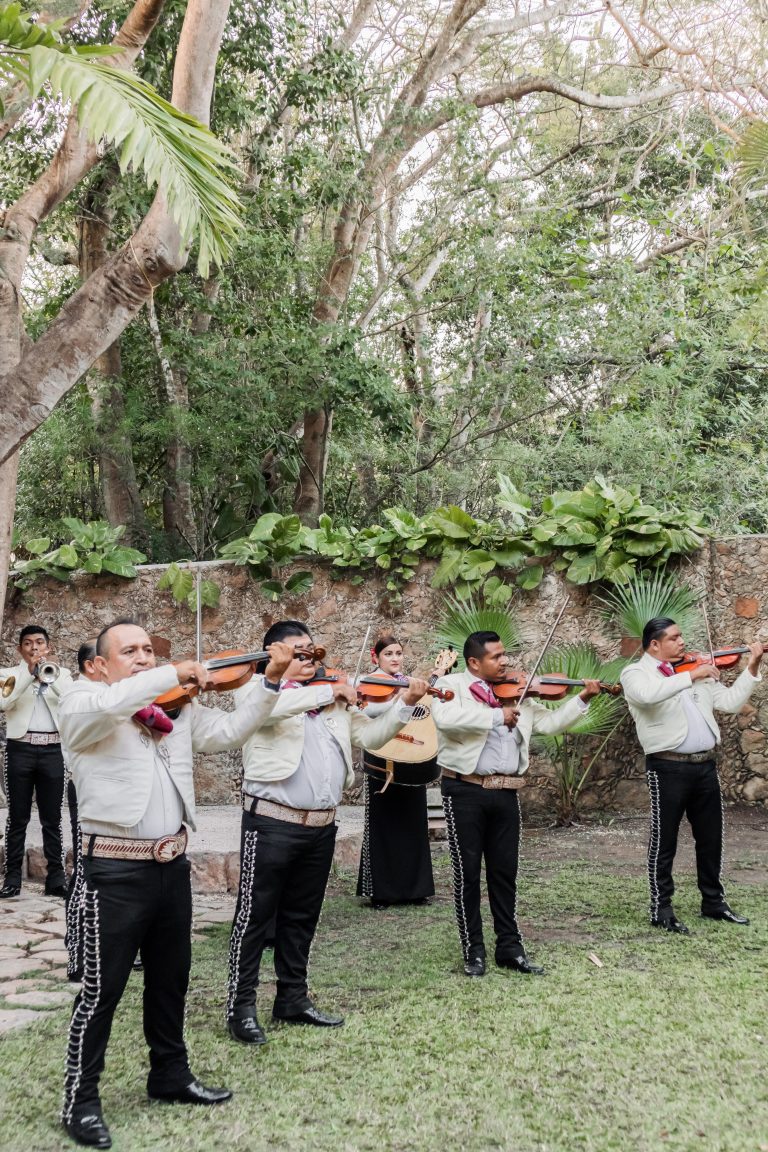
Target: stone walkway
x=214 y=849
x=33 y=959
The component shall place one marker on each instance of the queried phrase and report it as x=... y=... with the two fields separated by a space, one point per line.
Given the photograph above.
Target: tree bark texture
x=119 y=487
x=94 y=317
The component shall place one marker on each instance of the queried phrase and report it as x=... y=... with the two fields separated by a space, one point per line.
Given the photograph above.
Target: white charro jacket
x=463 y=724
x=656 y=703
x=112 y=758
x=273 y=752
x=19 y=705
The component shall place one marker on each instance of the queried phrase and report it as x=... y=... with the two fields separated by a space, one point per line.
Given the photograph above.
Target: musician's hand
x=591 y=688
x=415 y=690
x=345 y=692
x=511 y=715
x=705 y=672
x=191 y=672
x=280 y=657
x=756 y=655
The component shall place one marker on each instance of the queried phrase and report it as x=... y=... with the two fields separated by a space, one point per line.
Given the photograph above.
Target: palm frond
x=752 y=152
x=644 y=598
x=581 y=661
x=462 y=617
x=175 y=152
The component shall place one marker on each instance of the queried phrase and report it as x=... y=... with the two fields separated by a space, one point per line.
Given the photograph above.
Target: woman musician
x=395 y=861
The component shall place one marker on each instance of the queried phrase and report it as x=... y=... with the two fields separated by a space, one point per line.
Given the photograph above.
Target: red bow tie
x=666 y=669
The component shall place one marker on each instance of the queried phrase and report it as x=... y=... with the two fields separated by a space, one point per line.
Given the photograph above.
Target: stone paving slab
x=16 y=1018
x=42 y=999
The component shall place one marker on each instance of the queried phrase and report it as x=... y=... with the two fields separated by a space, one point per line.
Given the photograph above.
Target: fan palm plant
x=462 y=617
x=171 y=149
x=644 y=598
x=573 y=753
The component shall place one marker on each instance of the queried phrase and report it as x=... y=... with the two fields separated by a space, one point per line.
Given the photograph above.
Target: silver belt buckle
x=167 y=848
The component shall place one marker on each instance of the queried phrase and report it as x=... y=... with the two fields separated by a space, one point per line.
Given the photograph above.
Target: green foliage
x=573 y=753
x=173 y=150
x=462 y=617
x=181 y=584
x=94 y=548
x=646 y=596
x=602 y=532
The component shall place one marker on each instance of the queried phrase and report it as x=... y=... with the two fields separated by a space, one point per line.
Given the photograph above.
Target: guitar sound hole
x=420 y=712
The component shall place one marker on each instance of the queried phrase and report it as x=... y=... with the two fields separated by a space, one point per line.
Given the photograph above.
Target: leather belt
x=495 y=782
x=40 y=739
x=308 y=817
x=684 y=757
x=164 y=850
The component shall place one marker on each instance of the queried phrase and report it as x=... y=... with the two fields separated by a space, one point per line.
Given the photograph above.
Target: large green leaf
x=454 y=522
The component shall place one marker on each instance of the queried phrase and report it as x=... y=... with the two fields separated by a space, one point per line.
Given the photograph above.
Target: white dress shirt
x=700 y=737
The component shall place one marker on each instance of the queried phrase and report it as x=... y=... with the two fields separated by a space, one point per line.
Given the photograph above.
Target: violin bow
x=709 y=633
x=198 y=617
x=543 y=652
x=362 y=653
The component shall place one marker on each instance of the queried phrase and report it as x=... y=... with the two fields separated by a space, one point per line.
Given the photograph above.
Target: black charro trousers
x=34 y=770
x=484 y=824
x=284 y=871
x=126 y=907
x=680 y=789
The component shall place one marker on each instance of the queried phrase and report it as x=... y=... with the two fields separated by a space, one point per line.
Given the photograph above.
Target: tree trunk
x=8 y=473
x=309 y=498
x=117 y=475
x=73 y=160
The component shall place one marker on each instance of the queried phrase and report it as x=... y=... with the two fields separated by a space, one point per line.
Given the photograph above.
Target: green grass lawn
x=664 y=1047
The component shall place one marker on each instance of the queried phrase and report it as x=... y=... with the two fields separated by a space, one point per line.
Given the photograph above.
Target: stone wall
x=734 y=571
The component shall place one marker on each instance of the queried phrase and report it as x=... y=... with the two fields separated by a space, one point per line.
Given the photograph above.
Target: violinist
x=132 y=768
x=296 y=766
x=483 y=753
x=395 y=860
x=674 y=717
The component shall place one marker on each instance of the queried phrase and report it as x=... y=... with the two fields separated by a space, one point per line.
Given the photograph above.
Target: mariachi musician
x=673 y=712
x=483 y=753
x=395 y=860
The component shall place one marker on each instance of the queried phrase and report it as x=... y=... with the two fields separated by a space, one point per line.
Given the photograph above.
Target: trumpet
x=7 y=686
x=47 y=672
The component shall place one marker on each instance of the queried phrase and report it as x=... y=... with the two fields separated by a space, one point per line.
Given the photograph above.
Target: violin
x=552 y=686
x=721 y=658
x=373 y=688
x=227 y=670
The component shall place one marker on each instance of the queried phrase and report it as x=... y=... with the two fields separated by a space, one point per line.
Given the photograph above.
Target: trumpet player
x=33 y=763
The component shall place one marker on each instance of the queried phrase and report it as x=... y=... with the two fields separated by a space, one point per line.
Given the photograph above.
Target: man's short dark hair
x=655 y=629
x=281 y=630
x=102 y=644
x=475 y=643
x=85 y=653
x=33 y=630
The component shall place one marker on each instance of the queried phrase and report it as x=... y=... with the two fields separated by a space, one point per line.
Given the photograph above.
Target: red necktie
x=666 y=669
x=484 y=693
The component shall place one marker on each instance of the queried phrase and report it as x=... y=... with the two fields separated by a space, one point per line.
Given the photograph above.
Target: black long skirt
x=395 y=862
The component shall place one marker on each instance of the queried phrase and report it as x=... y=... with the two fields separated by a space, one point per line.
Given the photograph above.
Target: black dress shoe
x=194 y=1093
x=89 y=1130
x=312 y=1015
x=59 y=890
x=519 y=964
x=246 y=1029
x=9 y=890
x=474 y=966
x=671 y=924
x=726 y=914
